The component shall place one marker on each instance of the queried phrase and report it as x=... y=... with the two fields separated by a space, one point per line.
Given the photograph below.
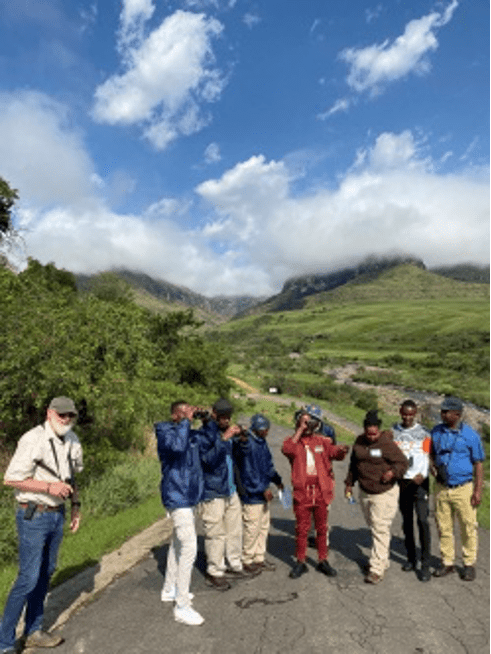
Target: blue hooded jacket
x=255 y=468
x=216 y=459
x=178 y=447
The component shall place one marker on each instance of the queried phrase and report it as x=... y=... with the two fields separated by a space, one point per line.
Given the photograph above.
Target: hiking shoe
x=469 y=573
x=266 y=565
x=41 y=638
x=242 y=574
x=443 y=570
x=326 y=568
x=187 y=615
x=298 y=570
x=171 y=595
x=252 y=568
x=373 y=578
x=220 y=583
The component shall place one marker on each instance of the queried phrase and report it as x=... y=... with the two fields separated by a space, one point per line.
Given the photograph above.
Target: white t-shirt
x=415 y=445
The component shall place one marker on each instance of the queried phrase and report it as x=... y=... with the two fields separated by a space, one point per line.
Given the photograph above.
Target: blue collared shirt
x=458 y=450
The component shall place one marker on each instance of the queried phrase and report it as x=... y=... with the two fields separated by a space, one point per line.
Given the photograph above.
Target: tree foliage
x=8 y=196
x=121 y=364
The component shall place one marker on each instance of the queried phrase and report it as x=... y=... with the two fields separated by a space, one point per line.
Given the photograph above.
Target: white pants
x=222 y=522
x=182 y=554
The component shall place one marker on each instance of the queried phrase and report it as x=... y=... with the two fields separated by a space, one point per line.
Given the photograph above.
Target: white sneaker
x=171 y=595
x=188 y=615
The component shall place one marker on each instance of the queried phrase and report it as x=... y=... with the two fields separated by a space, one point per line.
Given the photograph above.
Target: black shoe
x=409 y=566
x=424 y=574
x=298 y=570
x=443 y=571
x=469 y=573
x=326 y=568
x=220 y=583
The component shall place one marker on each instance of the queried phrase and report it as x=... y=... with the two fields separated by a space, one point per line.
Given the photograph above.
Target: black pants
x=414 y=498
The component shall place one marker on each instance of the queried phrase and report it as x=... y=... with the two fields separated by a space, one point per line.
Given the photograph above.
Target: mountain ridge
x=160 y=295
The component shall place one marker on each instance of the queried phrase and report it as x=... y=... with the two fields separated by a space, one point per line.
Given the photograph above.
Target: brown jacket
x=370 y=460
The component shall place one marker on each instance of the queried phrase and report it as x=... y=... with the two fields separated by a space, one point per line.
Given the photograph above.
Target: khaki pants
x=379 y=512
x=256 y=519
x=451 y=502
x=222 y=523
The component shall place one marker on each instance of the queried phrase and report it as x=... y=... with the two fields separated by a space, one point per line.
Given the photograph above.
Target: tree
x=8 y=196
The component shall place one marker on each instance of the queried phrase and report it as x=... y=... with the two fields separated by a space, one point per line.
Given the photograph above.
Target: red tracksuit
x=312 y=493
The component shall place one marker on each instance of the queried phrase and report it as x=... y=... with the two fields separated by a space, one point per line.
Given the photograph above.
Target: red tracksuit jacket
x=324 y=452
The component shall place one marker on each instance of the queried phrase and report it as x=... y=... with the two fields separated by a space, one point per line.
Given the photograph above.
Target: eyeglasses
x=63 y=416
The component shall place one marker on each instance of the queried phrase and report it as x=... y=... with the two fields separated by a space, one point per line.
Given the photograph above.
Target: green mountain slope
x=430 y=332
x=406 y=282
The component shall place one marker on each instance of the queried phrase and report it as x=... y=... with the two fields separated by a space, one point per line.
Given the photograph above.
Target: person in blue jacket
x=256 y=472
x=182 y=486
x=221 y=511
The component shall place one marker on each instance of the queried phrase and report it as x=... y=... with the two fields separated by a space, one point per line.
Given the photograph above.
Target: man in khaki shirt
x=42 y=474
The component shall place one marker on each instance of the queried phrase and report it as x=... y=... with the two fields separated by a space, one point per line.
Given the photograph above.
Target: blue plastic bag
x=285 y=496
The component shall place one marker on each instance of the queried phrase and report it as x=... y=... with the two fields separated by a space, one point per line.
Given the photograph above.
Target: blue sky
x=227 y=145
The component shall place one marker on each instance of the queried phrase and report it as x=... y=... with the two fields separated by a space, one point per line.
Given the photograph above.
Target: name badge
x=376 y=452
x=319 y=448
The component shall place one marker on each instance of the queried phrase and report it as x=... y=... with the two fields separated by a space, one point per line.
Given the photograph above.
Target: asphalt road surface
x=311 y=615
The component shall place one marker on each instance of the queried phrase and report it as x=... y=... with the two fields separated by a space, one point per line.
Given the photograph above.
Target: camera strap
x=45 y=466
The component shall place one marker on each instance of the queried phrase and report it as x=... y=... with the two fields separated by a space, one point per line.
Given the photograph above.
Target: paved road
x=312 y=615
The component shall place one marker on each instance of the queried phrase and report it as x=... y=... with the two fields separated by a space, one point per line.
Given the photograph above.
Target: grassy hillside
x=431 y=332
x=406 y=282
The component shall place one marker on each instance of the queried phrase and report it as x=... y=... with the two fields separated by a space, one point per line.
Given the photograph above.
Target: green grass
x=439 y=345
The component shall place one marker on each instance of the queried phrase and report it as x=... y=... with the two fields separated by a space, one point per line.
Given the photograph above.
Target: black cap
x=372 y=419
x=222 y=407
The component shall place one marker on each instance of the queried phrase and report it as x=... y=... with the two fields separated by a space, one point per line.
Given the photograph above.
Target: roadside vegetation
x=431 y=336
x=123 y=366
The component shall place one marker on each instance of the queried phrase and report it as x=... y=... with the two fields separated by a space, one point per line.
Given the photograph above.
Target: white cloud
x=343 y=104
x=373 y=67
x=88 y=17
x=251 y=20
x=258 y=232
x=373 y=14
x=41 y=155
x=392 y=202
x=212 y=153
x=169 y=76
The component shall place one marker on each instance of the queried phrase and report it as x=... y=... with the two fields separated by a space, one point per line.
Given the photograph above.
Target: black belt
x=42 y=507
x=464 y=483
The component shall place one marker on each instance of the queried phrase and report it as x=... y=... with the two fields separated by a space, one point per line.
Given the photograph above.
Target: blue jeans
x=39 y=542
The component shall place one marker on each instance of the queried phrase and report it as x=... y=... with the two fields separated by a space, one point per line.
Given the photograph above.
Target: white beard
x=60 y=428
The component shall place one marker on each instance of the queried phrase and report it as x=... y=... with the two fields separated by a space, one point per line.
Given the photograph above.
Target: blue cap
x=259 y=422
x=451 y=404
x=314 y=411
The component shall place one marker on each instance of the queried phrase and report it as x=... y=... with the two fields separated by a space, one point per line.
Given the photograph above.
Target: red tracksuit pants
x=314 y=506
